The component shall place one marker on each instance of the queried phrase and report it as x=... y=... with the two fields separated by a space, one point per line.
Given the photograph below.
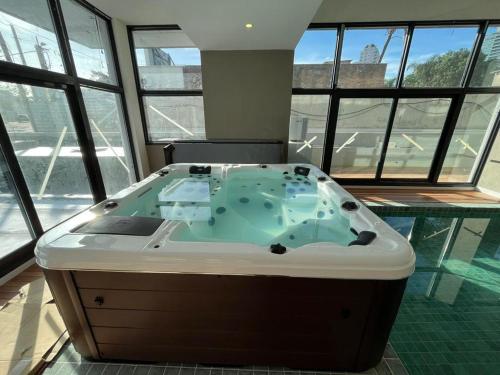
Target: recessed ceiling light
x=249 y=25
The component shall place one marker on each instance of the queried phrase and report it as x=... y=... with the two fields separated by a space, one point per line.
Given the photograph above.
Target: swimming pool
x=239 y=264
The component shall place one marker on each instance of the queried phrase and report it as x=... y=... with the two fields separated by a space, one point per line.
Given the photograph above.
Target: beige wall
x=409 y=10
x=127 y=71
x=247 y=94
x=156 y=157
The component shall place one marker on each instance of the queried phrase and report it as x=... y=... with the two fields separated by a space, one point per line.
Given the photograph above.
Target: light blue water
x=258 y=206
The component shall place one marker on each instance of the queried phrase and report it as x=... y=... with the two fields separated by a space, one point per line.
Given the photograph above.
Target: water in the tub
x=261 y=207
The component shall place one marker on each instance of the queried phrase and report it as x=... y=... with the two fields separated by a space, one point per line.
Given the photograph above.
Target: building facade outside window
x=168 y=71
x=413 y=103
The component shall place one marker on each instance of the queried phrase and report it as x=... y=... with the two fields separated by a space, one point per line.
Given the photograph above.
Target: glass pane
x=487 y=70
x=307 y=128
x=90 y=43
x=167 y=59
x=477 y=118
x=314 y=57
x=489 y=175
x=27 y=35
x=14 y=231
x=371 y=57
x=174 y=117
x=110 y=138
x=360 y=132
x=41 y=130
x=438 y=56
x=418 y=124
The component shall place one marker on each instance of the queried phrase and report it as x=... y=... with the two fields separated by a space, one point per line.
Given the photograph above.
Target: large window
x=14 y=228
x=371 y=57
x=314 y=58
x=413 y=103
x=105 y=113
x=414 y=137
x=438 y=56
x=90 y=44
x=168 y=70
x=361 y=128
x=47 y=150
x=63 y=127
x=487 y=71
x=473 y=128
x=307 y=128
x=27 y=35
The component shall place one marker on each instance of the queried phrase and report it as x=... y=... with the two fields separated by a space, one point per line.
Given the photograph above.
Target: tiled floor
x=69 y=362
x=449 y=321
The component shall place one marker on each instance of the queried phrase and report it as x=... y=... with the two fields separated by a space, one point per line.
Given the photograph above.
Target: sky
x=318 y=46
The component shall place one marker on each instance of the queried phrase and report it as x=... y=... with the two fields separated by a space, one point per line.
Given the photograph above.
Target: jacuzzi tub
x=229 y=264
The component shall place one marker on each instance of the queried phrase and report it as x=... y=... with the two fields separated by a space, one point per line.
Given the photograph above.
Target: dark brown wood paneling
x=272 y=303
x=227 y=283
x=200 y=339
x=216 y=321
x=269 y=320
x=386 y=298
x=225 y=357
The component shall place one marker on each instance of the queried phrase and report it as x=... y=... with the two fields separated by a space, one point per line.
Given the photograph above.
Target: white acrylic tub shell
x=388 y=257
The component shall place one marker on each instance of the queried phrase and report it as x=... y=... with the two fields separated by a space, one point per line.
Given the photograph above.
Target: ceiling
x=406 y=10
x=220 y=24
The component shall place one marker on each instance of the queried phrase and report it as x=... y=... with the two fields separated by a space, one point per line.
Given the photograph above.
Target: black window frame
x=456 y=94
x=141 y=93
x=71 y=84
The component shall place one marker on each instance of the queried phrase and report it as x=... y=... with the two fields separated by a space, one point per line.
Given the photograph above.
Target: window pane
x=27 y=35
x=487 y=70
x=90 y=43
x=360 y=132
x=167 y=59
x=307 y=128
x=174 y=117
x=418 y=124
x=371 y=57
x=477 y=118
x=438 y=56
x=489 y=175
x=14 y=231
x=314 y=57
x=110 y=138
x=41 y=130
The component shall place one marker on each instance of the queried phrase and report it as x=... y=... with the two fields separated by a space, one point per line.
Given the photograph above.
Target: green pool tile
x=449 y=320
